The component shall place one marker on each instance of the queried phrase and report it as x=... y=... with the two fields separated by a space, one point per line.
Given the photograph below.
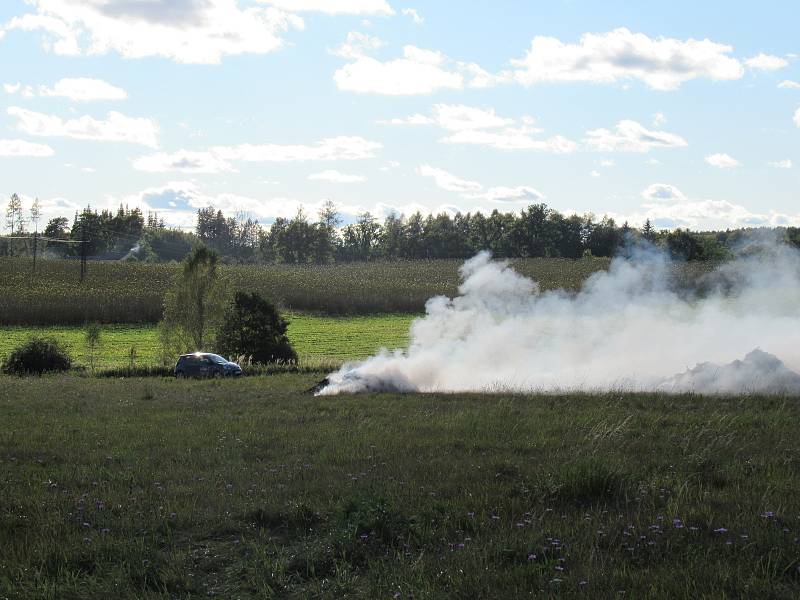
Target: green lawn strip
x=252 y=489
x=313 y=336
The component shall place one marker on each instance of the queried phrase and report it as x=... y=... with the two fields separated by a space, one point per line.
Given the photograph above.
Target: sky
x=684 y=113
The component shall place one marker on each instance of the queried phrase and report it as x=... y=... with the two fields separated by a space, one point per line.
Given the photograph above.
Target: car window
x=216 y=358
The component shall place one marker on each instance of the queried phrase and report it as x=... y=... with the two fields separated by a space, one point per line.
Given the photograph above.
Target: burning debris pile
x=627 y=329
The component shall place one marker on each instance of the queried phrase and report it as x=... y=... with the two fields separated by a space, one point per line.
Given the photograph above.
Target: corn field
x=120 y=292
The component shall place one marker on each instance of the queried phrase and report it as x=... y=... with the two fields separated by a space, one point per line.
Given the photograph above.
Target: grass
x=117 y=292
x=313 y=336
x=253 y=489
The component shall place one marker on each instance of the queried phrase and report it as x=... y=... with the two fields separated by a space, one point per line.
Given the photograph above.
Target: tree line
x=535 y=231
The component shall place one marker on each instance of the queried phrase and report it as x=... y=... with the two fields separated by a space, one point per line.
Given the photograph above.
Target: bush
x=37 y=356
x=254 y=328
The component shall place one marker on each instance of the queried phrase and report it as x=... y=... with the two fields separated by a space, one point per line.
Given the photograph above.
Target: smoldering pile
x=627 y=329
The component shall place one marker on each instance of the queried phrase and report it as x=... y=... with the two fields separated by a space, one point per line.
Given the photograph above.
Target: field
x=170 y=489
x=313 y=337
x=116 y=292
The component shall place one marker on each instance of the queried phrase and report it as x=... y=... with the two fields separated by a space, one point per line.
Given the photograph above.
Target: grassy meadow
x=314 y=337
x=252 y=489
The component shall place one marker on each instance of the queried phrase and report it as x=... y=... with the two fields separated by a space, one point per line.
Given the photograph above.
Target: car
x=205 y=364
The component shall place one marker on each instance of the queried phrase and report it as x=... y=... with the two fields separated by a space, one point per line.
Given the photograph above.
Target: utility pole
x=84 y=251
x=35 y=245
x=36 y=213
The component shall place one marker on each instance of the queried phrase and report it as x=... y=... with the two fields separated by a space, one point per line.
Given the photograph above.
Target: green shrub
x=37 y=356
x=254 y=328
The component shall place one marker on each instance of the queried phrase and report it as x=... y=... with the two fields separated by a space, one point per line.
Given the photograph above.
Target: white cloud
x=512 y=138
x=705 y=214
x=338 y=148
x=595 y=173
x=789 y=84
x=781 y=164
x=663 y=191
x=184 y=161
x=668 y=208
x=797 y=117
x=661 y=63
x=115 y=128
x=335 y=7
x=630 y=136
x=333 y=176
x=181 y=30
x=84 y=89
x=607 y=162
x=511 y=194
x=722 y=161
x=484 y=127
x=23 y=148
x=178 y=201
x=766 y=62
x=659 y=119
x=458 y=117
x=357 y=45
x=448 y=181
x=26 y=91
x=418 y=72
x=455 y=117
x=415 y=16
x=416 y=119
x=474 y=190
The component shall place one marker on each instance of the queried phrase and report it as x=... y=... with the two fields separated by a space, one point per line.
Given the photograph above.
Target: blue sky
x=686 y=113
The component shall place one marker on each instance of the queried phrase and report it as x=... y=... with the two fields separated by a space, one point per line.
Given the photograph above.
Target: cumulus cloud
x=766 y=62
x=337 y=148
x=185 y=31
x=177 y=202
x=335 y=7
x=484 y=127
x=660 y=63
x=659 y=119
x=449 y=182
x=333 y=176
x=357 y=45
x=789 y=84
x=662 y=191
x=23 y=148
x=722 y=161
x=418 y=72
x=781 y=164
x=630 y=136
x=415 y=16
x=218 y=159
x=512 y=138
x=26 y=91
x=115 y=127
x=184 y=161
x=474 y=190
x=797 y=117
x=84 y=89
x=668 y=208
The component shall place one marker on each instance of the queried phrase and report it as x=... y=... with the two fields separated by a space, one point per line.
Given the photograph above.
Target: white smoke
x=629 y=328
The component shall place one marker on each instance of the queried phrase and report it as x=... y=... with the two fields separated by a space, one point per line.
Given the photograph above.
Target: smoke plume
x=629 y=328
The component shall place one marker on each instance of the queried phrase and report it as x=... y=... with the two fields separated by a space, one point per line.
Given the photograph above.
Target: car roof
x=199 y=354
